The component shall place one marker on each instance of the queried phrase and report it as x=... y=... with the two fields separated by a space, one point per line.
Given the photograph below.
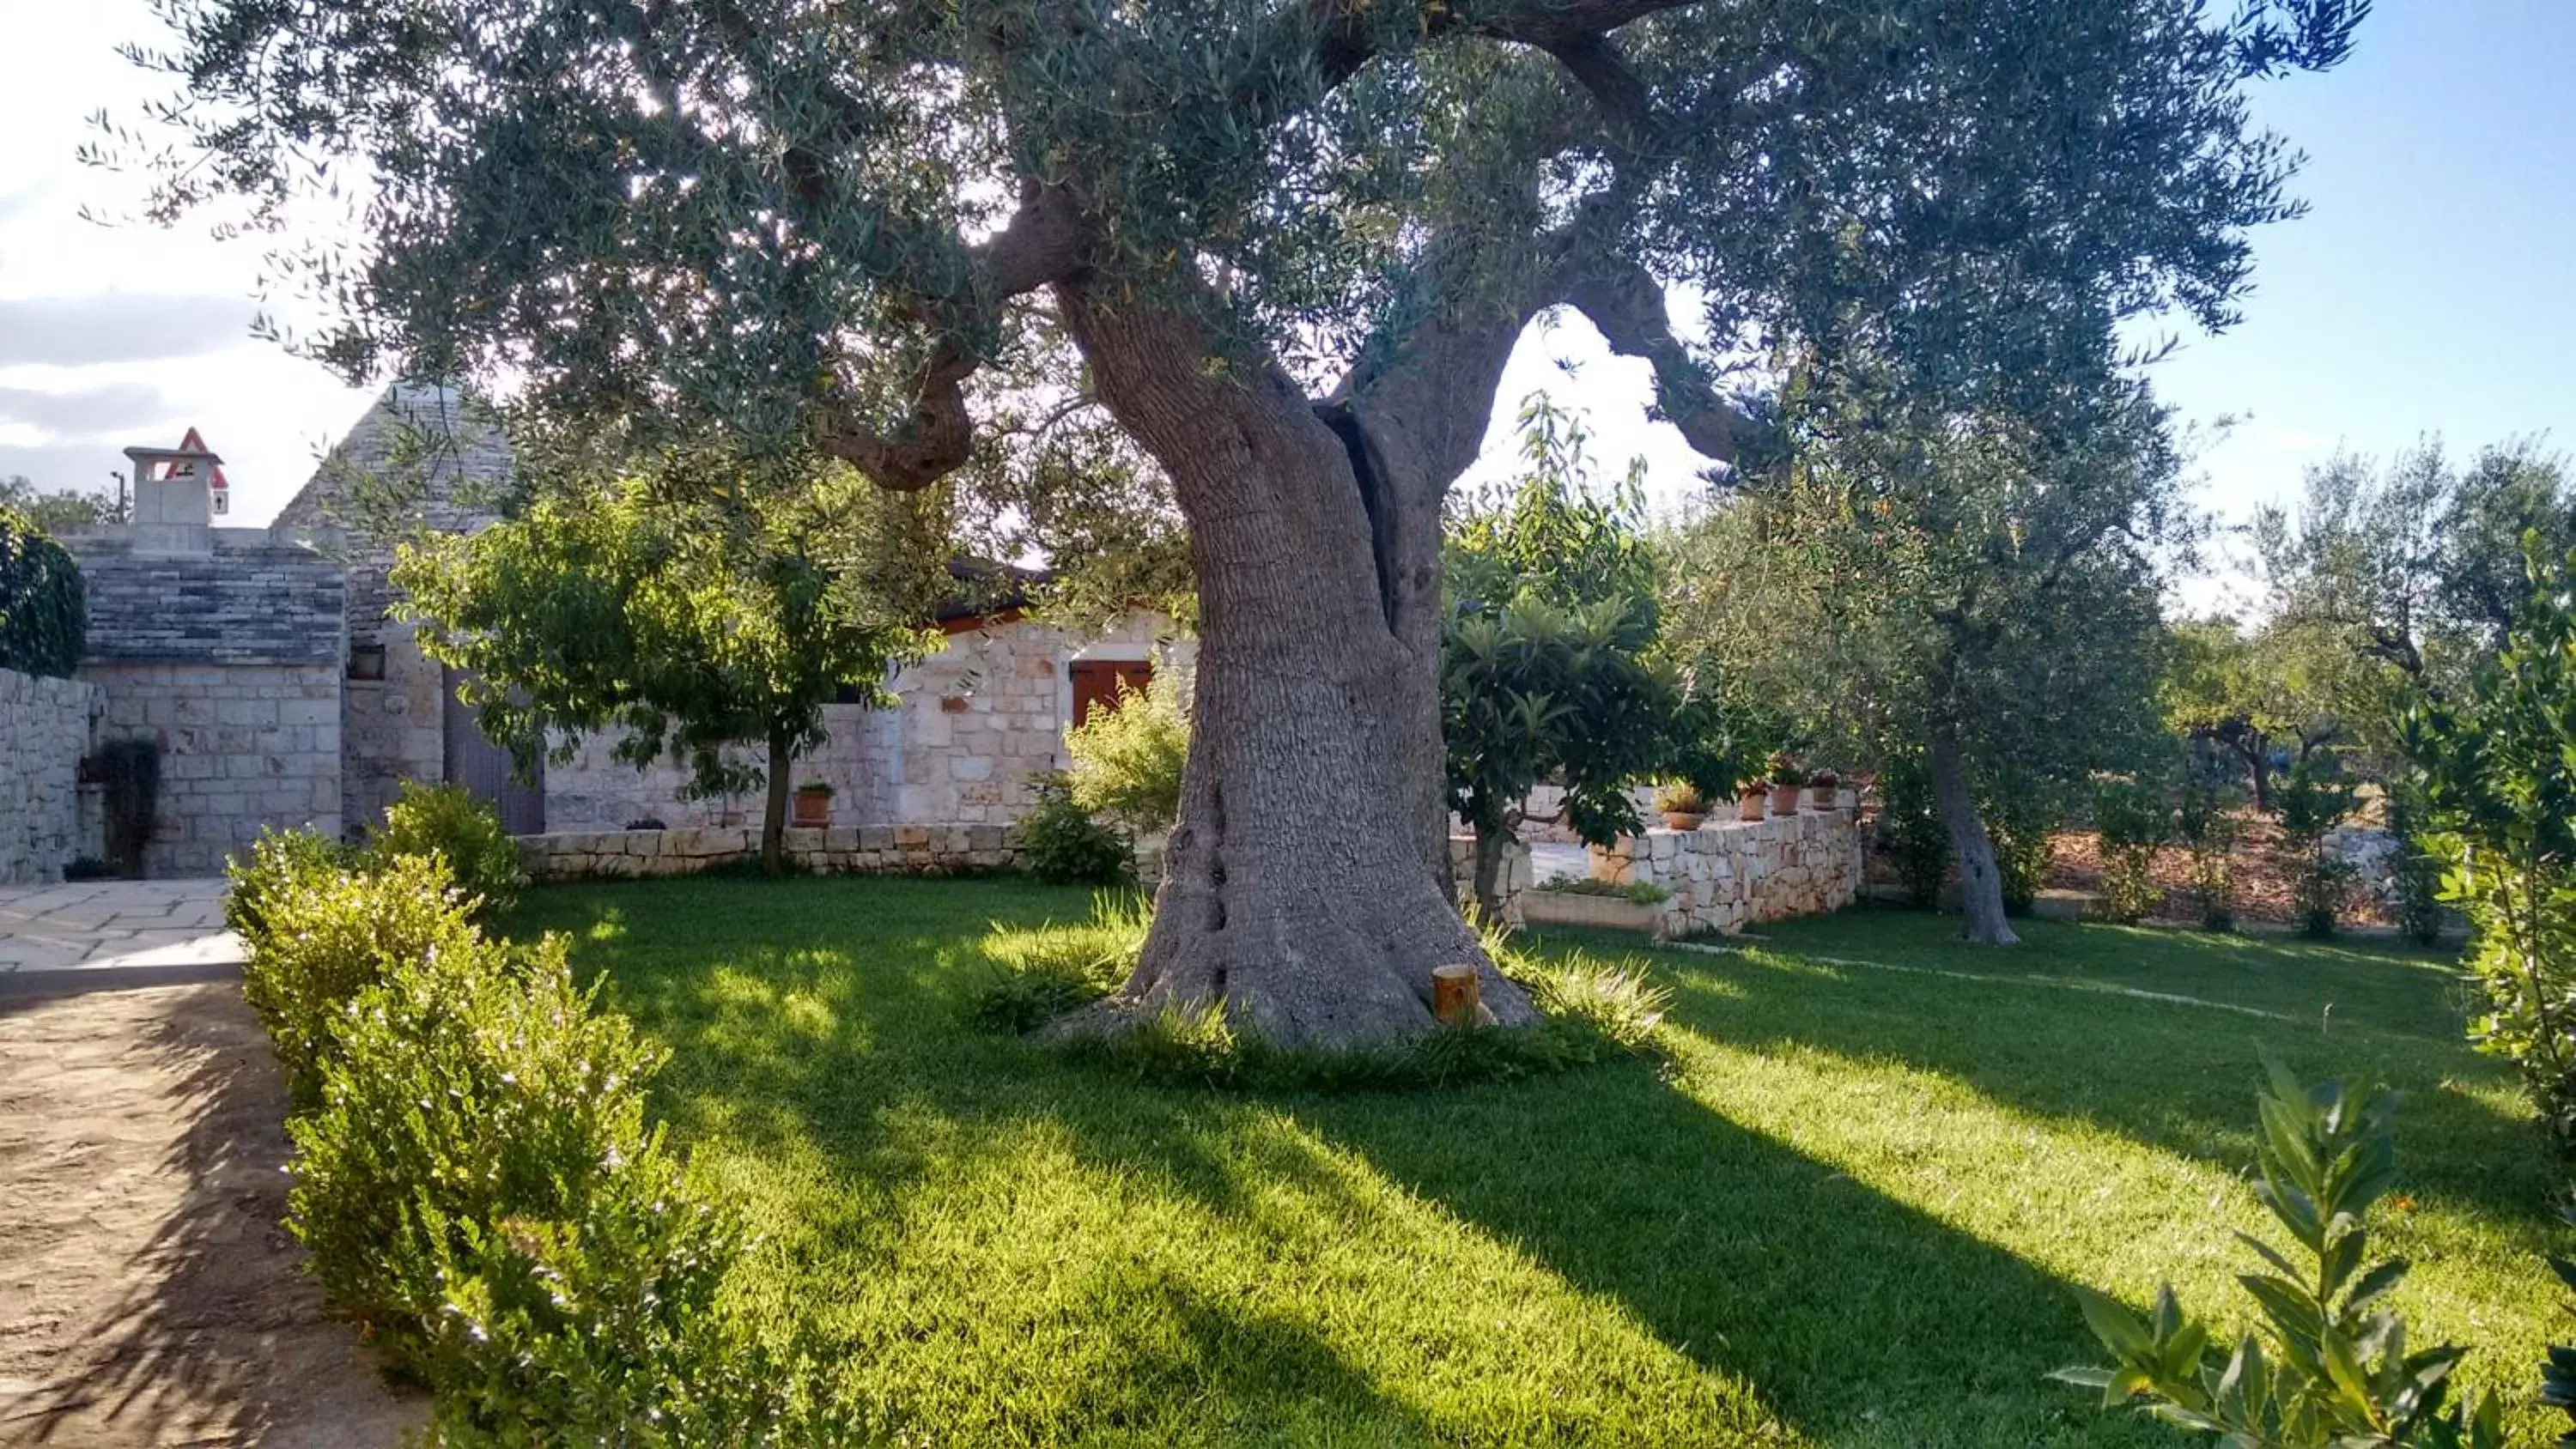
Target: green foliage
x=1545 y=671
x=2020 y=813
x=316 y=937
x=2310 y=804
x=1126 y=761
x=2558 y=1374
x=454 y=825
x=2207 y=830
x=281 y=863
x=57 y=509
x=479 y=1184
x=2499 y=787
x=702 y=603
x=1061 y=844
x=2132 y=821
x=1643 y=893
x=2331 y=1369
x=1911 y=831
x=44 y=606
x=2416 y=873
x=2292 y=685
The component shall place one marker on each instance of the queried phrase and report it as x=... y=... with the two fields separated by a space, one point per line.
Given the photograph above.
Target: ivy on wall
x=44 y=609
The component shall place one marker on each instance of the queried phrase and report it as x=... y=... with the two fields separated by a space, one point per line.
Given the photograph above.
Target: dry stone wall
x=859 y=850
x=45 y=729
x=1729 y=874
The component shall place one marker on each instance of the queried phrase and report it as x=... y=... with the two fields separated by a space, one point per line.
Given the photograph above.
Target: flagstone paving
x=167 y=928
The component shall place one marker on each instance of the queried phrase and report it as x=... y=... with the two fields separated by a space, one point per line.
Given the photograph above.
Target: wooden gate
x=473 y=761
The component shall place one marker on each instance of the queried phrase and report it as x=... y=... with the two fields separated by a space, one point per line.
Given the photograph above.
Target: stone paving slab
x=109 y=926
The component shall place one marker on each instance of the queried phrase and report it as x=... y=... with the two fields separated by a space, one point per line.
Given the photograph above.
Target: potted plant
x=813 y=805
x=1824 y=791
x=1682 y=805
x=1787 y=781
x=1752 y=800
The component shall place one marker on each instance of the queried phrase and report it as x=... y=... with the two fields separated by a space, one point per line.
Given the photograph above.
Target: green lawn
x=1844 y=1212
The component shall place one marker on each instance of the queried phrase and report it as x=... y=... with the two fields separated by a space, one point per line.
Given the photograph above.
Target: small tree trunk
x=1491 y=848
x=2258 y=763
x=1981 y=881
x=773 y=821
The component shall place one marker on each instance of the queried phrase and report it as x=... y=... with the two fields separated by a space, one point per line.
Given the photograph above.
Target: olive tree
x=1286 y=245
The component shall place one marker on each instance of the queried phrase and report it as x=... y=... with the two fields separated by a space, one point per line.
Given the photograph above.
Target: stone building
x=224 y=645
x=974 y=722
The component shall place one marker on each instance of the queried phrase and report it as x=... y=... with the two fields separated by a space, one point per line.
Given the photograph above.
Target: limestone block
x=876 y=838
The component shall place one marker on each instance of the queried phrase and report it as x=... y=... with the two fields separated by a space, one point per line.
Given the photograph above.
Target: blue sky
x=2432 y=289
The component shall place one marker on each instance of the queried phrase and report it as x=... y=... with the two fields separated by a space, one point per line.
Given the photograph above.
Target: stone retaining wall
x=45 y=729
x=1728 y=874
x=860 y=850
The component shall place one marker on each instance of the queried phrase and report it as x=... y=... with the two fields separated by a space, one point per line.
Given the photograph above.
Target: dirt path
x=147 y=1294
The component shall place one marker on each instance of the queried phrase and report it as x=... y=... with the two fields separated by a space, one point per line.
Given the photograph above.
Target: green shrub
x=2208 y=831
x=280 y=861
x=1911 y=832
x=461 y=828
x=481 y=1186
x=317 y=938
x=2129 y=816
x=1643 y=892
x=2416 y=872
x=44 y=606
x=2331 y=1368
x=2310 y=802
x=1061 y=844
x=1127 y=761
x=2499 y=787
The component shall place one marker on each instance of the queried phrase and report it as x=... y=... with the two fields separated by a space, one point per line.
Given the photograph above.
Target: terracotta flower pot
x=1821 y=796
x=1753 y=804
x=1681 y=820
x=1784 y=799
x=813 y=810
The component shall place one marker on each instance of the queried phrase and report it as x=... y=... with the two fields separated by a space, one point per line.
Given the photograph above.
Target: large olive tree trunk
x=1981 y=880
x=1306 y=883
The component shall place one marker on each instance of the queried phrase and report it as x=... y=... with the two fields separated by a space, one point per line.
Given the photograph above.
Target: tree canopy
x=1285 y=246
x=692 y=610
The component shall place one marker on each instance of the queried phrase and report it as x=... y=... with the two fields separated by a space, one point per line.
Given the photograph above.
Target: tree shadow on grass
x=2174 y=1076
x=1832 y=1309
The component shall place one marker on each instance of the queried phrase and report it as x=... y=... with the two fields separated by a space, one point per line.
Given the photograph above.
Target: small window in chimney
x=366 y=661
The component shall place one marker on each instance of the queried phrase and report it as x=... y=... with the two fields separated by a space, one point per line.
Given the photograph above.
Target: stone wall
x=1728 y=874
x=858 y=850
x=391 y=729
x=597 y=791
x=990 y=709
x=243 y=746
x=45 y=729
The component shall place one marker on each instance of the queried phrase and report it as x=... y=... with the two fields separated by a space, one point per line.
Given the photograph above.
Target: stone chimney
x=178 y=495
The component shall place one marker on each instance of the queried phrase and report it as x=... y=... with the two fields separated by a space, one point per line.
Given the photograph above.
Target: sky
x=2431 y=290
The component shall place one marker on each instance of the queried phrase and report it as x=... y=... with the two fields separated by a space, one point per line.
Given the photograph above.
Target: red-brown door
x=1096 y=683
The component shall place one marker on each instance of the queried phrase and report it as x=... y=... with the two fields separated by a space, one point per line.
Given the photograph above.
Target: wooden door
x=473 y=761
x=1096 y=683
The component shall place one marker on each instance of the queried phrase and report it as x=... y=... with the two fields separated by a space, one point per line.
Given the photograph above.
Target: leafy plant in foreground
x=2330 y=1368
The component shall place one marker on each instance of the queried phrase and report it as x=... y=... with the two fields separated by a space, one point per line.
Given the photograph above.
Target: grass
x=1841 y=1207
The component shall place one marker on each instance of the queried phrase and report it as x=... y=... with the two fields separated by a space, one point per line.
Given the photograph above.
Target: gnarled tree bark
x=1980 y=877
x=1303 y=885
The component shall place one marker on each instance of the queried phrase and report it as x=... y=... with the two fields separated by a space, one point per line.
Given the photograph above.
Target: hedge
x=44 y=609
